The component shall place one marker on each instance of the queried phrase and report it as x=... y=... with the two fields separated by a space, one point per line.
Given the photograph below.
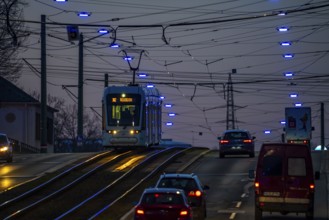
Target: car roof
x=163 y=190
x=236 y=130
x=282 y=144
x=178 y=175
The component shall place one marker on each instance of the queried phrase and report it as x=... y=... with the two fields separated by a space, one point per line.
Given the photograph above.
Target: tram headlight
x=113 y=131
x=134 y=131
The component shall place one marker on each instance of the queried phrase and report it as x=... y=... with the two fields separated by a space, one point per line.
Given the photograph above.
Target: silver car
x=6 y=149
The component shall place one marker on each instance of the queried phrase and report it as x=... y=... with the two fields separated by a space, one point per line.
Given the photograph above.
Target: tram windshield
x=123 y=111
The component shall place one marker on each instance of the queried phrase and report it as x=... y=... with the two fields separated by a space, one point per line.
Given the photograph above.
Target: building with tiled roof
x=20 y=118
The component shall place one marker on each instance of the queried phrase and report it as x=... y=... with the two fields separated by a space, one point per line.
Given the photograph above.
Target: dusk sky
x=190 y=47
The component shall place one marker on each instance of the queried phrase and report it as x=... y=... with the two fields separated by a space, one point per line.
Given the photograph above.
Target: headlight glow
x=5 y=148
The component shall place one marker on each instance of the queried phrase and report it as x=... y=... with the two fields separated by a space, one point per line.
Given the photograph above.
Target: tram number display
x=122 y=99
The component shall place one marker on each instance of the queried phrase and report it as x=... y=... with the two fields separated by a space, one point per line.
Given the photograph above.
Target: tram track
x=17 y=201
x=97 y=191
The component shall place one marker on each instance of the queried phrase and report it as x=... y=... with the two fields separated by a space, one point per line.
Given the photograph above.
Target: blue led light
x=285 y=43
x=282 y=13
x=171 y=114
x=150 y=86
x=288 y=74
x=169 y=123
x=162 y=97
x=267 y=132
x=103 y=31
x=114 y=45
x=60 y=1
x=293 y=95
x=288 y=55
x=168 y=105
x=283 y=122
x=83 y=14
x=298 y=104
x=282 y=29
x=128 y=58
x=142 y=75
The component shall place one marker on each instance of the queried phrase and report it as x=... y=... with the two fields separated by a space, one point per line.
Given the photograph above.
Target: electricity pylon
x=230 y=118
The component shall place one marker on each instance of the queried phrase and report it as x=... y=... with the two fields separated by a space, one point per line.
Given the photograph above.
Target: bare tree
x=66 y=119
x=12 y=34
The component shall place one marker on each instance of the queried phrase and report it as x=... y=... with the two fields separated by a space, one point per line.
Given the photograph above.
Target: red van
x=284 y=180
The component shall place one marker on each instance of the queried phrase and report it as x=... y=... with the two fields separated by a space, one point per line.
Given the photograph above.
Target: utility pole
x=230 y=118
x=106 y=82
x=322 y=127
x=80 y=91
x=43 y=117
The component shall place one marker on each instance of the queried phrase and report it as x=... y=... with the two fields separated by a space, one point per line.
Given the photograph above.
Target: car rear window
x=236 y=135
x=187 y=184
x=272 y=165
x=296 y=167
x=162 y=198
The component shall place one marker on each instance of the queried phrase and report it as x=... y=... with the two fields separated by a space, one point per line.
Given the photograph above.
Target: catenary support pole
x=80 y=91
x=43 y=118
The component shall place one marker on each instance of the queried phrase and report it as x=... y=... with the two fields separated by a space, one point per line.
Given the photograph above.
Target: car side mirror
x=317 y=175
x=206 y=187
x=251 y=174
x=218 y=138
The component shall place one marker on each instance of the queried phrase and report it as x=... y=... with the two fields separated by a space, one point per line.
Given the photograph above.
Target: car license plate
x=271 y=193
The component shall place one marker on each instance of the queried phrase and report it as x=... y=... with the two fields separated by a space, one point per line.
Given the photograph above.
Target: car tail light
x=256 y=187
x=184 y=213
x=224 y=141
x=247 y=141
x=312 y=187
x=139 y=211
x=196 y=193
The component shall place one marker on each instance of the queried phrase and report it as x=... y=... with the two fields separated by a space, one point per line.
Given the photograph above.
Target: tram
x=131 y=116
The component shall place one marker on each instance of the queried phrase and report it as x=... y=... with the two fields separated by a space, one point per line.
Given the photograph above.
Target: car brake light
x=224 y=141
x=247 y=141
x=257 y=187
x=183 y=213
x=139 y=211
x=312 y=186
x=197 y=193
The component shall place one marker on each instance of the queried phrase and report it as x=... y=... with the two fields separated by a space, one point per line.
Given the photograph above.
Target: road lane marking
x=238 y=204
x=227 y=211
x=232 y=216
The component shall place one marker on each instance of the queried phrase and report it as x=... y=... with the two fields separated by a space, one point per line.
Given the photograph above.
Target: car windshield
x=236 y=135
x=162 y=198
x=187 y=184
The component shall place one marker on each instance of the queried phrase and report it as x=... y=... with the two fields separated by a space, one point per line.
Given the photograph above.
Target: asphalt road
x=231 y=191
x=231 y=194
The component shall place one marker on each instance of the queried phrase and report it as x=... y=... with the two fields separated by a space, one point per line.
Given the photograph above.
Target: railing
x=20 y=147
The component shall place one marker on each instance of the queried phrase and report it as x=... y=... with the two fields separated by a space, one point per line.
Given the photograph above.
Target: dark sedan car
x=163 y=204
x=236 y=142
